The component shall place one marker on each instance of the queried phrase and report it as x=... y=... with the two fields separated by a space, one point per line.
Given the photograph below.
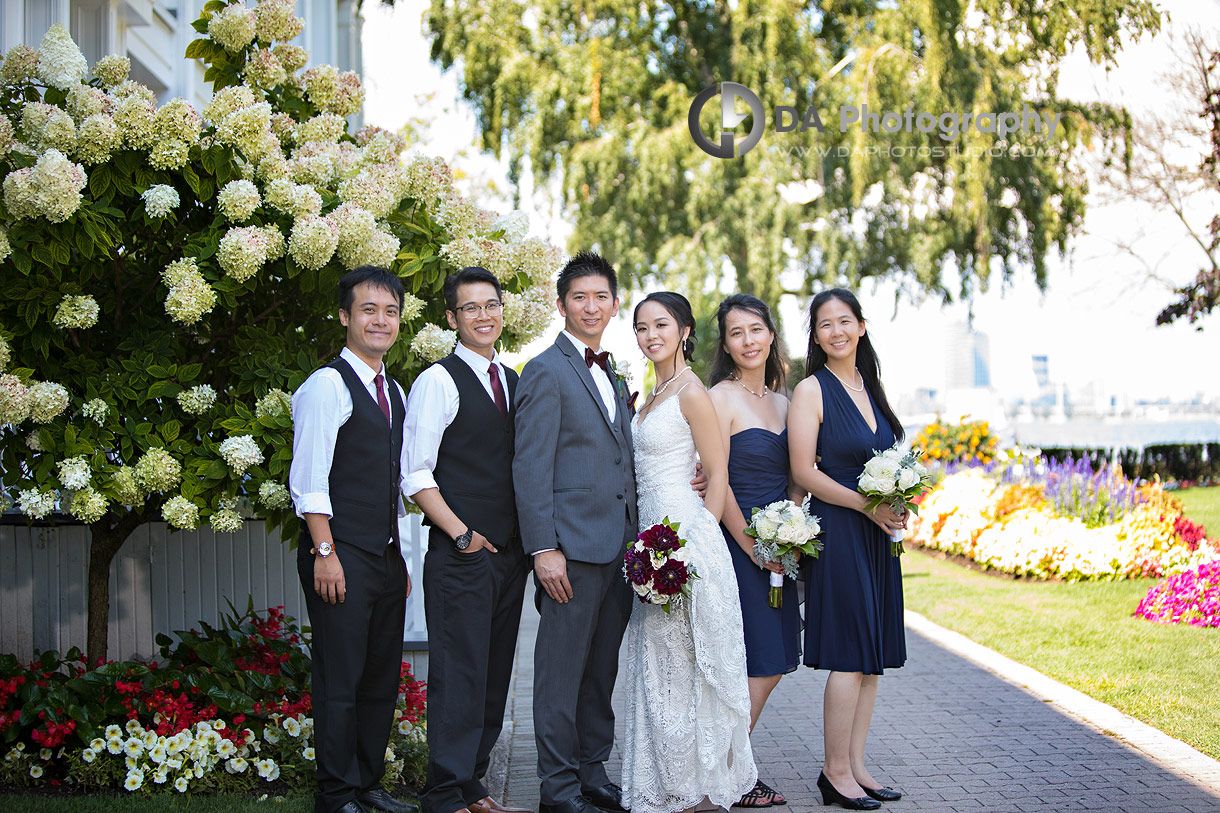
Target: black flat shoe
x=830 y=796
x=883 y=794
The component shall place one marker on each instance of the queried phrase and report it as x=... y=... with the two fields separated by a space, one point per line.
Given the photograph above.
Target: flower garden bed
x=227 y=709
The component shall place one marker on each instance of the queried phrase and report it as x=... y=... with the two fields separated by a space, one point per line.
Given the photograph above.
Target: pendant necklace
x=845 y=384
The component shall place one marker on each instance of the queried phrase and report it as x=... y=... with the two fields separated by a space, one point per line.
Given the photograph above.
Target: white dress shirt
x=604 y=387
x=431 y=407
x=319 y=407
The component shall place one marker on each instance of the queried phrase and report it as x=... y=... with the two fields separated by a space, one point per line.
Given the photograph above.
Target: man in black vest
x=459 y=471
x=345 y=480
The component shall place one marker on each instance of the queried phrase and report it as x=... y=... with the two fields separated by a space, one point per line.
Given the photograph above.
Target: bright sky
x=1095 y=321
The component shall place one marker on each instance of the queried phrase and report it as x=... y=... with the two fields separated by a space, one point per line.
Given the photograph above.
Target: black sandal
x=761 y=795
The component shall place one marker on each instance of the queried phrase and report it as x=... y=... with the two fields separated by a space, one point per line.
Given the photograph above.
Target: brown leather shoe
x=490 y=805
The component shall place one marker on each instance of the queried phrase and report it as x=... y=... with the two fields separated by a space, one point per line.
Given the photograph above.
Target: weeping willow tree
x=595 y=96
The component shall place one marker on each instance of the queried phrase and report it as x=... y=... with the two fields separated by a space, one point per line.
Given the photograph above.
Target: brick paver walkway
x=951 y=735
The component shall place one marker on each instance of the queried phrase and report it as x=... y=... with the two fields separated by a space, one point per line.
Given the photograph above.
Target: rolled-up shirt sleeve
x=317 y=414
x=432 y=405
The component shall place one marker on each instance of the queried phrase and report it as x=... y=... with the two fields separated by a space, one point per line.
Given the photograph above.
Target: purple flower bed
x=1191 y=597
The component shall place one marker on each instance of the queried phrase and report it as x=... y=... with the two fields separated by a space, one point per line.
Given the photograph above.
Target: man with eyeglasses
x=459 y=427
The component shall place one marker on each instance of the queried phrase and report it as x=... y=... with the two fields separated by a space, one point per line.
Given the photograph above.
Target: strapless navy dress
x=758 y=475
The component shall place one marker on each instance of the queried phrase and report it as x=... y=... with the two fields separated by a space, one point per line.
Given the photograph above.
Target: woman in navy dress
x=853 y=608
x=747 y=381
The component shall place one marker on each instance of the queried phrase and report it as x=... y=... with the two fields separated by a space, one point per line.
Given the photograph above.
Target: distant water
x=1107 y=435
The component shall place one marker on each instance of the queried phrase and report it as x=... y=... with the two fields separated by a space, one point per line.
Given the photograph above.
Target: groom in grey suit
x=575 y=491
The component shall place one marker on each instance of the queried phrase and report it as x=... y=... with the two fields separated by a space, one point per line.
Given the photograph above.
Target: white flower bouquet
x=896 y=478
x=780 y=530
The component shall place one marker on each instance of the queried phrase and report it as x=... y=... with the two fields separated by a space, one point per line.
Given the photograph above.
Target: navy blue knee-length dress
x=853 y=590
x=758 y=475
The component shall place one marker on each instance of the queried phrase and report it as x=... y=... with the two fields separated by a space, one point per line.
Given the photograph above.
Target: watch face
x=463 y=541
x=326 y=548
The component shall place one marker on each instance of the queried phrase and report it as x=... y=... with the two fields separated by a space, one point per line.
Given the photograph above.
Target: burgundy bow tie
x=599 y=359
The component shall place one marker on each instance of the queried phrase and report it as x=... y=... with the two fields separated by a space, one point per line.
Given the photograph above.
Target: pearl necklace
x=845 y=384
x=658 y=390
x=762 y=394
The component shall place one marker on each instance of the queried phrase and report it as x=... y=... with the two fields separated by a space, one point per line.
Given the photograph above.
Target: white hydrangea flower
x=5 y=250
x=198 y=399
x=263 y=68
x=60 y=62
x=412 y=307
x=373 y=189
x=190 y=296
x=225 y=102
x=112 y=70
x=273 y=495
x=74 y=472
x=127 y=488
x=99 y=136
x=14 y=400
x=78 y=312
x=160 y=199
x=181 y=513
x=233 y=27
x=48 y=400
x=33 y=441
x=51 y=188
x=238 y=200
x=45 y=127
x=243 y=251
x=241 y=452
x=432 y=343
x=275 y=21
x=226 y=521
x=292 y=57
x=248 y=129
x=134 y=113
x=157 y=470
x=312 y=242
x=88 y=506
x=275 y=403
x=276 y=244
x=20 y=65
x=177 y=120
x=35 y=503
x=527 y=315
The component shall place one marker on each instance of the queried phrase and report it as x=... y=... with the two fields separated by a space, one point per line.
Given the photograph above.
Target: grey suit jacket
x=572 y=468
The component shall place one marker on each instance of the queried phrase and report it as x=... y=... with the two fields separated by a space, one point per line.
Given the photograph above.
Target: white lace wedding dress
x=688 y=708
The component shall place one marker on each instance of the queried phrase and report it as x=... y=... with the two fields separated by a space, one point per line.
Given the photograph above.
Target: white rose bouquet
x=780 y=530
x=896 y=478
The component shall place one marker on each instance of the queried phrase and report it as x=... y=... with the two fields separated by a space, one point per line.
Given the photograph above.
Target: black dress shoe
x=830 y=796
x=379 y=799
x=352 y=807
x=883 y=794
x=578 y=805
x=607 y=797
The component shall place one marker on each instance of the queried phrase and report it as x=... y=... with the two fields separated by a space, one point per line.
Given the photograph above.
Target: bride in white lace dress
x=688 y=712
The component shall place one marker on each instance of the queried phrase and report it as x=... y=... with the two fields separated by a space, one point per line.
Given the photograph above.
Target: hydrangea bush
x=169 y=274
x=227 y=708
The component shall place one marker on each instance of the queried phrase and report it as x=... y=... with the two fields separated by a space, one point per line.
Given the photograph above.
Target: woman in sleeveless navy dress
x=853 y=608
x=747 y=380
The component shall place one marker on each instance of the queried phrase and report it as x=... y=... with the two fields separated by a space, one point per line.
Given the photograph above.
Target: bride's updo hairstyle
x=679 y=309
x=866 y=356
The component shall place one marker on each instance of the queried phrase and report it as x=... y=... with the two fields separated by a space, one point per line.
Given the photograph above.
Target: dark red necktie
x=497 y=391
x=599 y=359
x=381 y=401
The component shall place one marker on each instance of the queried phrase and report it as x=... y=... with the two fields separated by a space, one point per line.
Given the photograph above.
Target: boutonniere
x=622 y=379
x=621 y=370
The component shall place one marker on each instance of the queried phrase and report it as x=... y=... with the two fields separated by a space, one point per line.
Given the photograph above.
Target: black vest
x=474 y=467
x=365 y=471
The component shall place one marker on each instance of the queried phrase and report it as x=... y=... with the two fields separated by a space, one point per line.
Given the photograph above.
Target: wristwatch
x=463 y=541
x=324 y=549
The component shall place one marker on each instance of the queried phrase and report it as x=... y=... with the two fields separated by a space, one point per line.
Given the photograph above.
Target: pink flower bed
x=1190 y=597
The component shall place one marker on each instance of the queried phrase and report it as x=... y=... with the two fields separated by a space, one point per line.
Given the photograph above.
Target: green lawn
x=1083 y=635
x=1203 y=506
x=162 y=803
